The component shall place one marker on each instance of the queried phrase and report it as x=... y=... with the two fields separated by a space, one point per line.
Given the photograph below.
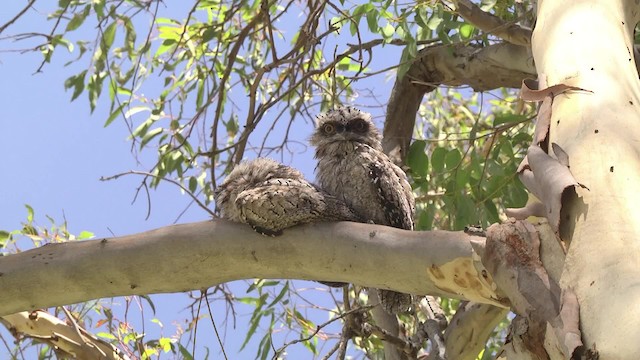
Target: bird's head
x=345 y=124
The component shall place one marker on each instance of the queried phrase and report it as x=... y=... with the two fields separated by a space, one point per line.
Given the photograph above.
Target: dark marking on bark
x=596 y=131
x=611 y=169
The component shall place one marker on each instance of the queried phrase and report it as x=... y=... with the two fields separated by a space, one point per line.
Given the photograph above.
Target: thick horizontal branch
x=199 y=255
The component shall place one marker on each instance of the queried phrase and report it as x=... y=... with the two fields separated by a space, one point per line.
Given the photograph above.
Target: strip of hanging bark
x=74 y=342
x=483 y=69
x=537 y=90
x=548 y=179
x=487 y=22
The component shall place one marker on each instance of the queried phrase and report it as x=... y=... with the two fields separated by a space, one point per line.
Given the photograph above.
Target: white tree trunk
x=589 y=44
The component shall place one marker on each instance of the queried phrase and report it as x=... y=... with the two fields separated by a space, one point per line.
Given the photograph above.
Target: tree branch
x=470 y=328
x=18 y=16
x=487 y=68
x=69 y=339
x=509 y=31
x=199 y=255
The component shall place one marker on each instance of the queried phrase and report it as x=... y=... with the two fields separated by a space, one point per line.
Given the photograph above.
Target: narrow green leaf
x=77 y=82
x=208 y=34
x=466 y=31
x=252 y=329
x=115 y=113
x=387 y=32
x=466 y=212
x=247 y=300
x=417 y=159
x=405 y=59
x=453 y=158
x=186 y=355
x=134 y=110
x=109 y=35
x=372 y=20
x=78 y=18
x=265 y=346
x=200 y=94
x=193 y=184
x=425 y=218
x=29 y=213
x=165 y=344
x=282 y=293
x=437 y=159
x=503 y=118
x=4 y=237
x=150 y=135
x=106 y=335
x=98 y=7
x=434 y=21
x=85 y=235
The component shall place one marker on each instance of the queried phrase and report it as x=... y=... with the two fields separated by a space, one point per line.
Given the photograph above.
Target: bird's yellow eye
x=360 y=126
x=328 y=129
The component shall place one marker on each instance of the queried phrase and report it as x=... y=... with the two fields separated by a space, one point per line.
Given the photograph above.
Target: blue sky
x=54 y=153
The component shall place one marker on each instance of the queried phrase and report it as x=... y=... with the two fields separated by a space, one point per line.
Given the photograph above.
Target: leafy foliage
x=465 y=168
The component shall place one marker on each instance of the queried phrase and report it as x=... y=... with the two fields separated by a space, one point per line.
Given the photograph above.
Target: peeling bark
x=545 y=314
x=218 y=251
x=549 y=180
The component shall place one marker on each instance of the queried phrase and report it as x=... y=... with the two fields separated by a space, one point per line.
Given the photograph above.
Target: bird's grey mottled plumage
x=353 y=167
x=271 y=197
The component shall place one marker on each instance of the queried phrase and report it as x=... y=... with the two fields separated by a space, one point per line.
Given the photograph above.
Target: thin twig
x=19 y=15
x=135 y=172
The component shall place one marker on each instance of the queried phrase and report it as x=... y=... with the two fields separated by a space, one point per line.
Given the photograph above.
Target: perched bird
x=271 y=197
x=353 y=167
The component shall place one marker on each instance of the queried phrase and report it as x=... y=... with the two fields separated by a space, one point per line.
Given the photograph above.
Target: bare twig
x=134 y=172
x=18 y=16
